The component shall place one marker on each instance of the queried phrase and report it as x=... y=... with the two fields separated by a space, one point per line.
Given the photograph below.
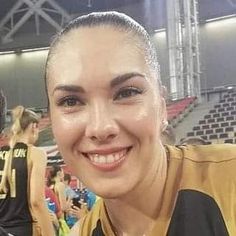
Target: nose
x=101 y=127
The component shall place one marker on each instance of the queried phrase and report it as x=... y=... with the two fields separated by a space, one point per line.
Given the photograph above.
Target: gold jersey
x=199 y=196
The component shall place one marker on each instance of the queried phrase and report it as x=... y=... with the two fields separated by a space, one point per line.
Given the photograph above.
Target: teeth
x=96 y=159
x=117 y=156
x=110 y=158
x=102 y=159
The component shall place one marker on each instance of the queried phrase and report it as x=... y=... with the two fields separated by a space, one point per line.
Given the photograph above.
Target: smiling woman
x=108 y=112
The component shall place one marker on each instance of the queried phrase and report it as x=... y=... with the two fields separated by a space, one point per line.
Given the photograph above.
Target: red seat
x=178 y=107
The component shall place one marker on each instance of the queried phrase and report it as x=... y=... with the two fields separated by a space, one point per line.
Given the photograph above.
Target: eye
x=127 y=92
x=70 y=101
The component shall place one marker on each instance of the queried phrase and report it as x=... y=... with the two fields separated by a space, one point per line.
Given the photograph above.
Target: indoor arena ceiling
x=31 y=23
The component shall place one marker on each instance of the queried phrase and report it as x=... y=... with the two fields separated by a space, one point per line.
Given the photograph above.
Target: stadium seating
x=219 y=125
x=177 y=110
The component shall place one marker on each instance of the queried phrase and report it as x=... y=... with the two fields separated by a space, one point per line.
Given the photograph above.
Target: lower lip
x=110 y=166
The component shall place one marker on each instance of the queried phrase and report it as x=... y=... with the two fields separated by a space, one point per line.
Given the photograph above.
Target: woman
x=108 y=112
x=22 y=205
x=56 y=192
x=69 y=192
x=55 y=183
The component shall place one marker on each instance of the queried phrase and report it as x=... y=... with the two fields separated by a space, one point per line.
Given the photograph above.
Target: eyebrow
x=122 y=78
x=69 y=88
x=116 y=81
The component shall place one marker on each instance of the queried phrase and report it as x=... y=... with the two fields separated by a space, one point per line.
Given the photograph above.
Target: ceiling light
x=7 y=52
x=160 y=30
x=220 y=18
x=34 y=49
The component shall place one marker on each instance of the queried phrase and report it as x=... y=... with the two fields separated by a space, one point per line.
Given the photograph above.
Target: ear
x=164 y=92
x=30 y=127
x=34 y=127
x=164 y=117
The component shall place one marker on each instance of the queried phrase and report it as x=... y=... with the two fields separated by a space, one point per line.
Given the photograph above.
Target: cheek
x=66 y=129
x=143 y=121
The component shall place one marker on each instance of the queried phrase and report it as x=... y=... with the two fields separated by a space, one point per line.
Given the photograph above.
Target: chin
x=110 y=195
x=112 y=190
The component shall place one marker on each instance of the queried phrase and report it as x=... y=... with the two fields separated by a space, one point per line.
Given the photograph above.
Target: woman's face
x=105 y=110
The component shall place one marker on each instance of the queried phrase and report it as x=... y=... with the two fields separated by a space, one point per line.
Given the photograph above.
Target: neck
x=141 y=206
x=23 y=139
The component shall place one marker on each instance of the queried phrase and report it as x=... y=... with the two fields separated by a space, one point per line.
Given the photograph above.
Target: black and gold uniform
x=15 y=215
x=199 y=196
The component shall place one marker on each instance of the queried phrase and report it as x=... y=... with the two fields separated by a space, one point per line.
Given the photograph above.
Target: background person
x=56 y=184
x=57 y=187
x=69 y=192
x=22 y=206
x=71 y=219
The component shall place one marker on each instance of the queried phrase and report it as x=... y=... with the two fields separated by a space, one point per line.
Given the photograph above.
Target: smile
x=107 y=160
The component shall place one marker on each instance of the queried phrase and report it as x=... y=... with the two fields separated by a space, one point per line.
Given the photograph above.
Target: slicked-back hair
x=116 y=20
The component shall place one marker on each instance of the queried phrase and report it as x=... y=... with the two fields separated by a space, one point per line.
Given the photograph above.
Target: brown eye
x=70 y=101
x=127 y=93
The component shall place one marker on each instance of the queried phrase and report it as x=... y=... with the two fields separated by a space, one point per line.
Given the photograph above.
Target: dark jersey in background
x=14 y=206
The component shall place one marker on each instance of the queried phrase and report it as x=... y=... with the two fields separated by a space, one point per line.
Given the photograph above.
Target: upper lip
x=107 y=150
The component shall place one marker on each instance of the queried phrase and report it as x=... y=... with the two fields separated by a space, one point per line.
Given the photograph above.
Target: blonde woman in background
x=22 y=169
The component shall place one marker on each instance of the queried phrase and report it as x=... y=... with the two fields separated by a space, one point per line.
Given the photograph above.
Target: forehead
x=90 y=52
x=97 y=38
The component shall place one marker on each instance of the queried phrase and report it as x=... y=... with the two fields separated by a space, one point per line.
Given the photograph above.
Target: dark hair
x=67 y=177
x=118 y=20
x=52 y=174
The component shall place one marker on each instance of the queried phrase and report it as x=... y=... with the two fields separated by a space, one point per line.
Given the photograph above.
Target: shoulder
x=207 y=168
x=37 y=156
x=204 y=162
x=205 y=176
x=214 y=153
x=60 y=185
x=35 y=151
x=204 y=153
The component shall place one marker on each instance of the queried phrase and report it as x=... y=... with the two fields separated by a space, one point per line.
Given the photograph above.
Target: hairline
x=143 y=43
x=128 y=26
